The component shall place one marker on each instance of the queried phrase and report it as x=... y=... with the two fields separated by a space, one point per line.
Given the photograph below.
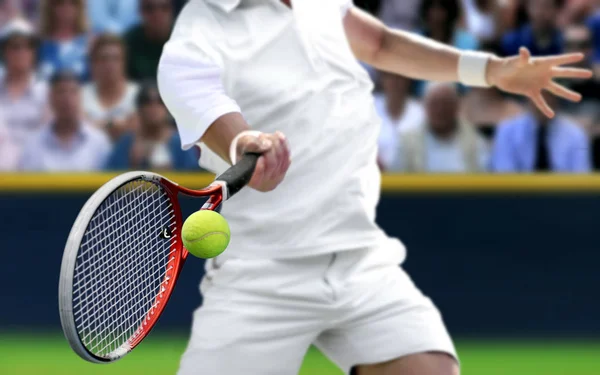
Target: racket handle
x=240 y=174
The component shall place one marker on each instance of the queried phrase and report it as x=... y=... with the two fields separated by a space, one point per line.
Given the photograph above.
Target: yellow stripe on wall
x=12 y=182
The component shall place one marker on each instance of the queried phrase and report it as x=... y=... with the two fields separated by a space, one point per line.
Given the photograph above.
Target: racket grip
x=240 y=174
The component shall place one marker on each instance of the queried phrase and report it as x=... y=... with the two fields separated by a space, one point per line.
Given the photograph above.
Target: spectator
x=9 y=9
x=480 y=18
x=445 y=144
x=593 y=22
x=68 y=143
x=9 y=151
x=109 y=100
x=441 y=22
x=398 y=112
x=145 y=41
x=575 y=12
x=155 y=144
x=113 y=16
x=23 y=98
x=402 y=14
x=29 y=9
x=587 y=112
x=533 y=143
x=65 y=38
x=498 y=107
x=541 y=34
x=510 y=15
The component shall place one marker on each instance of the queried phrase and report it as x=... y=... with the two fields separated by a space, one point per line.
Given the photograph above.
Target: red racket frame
x=180 y=254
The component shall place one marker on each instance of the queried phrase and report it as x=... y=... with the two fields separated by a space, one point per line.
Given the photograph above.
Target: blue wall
x=495 y=264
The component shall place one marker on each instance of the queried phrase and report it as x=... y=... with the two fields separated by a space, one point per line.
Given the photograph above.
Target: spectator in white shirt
x=68 y=144
x=446 y=144
x=109 y=100
x=9 y=152
x=480 y=18
x=22 y=96
x=398 y=112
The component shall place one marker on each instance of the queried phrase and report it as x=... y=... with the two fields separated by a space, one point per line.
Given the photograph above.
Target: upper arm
x=190 y=83
x=365 y=34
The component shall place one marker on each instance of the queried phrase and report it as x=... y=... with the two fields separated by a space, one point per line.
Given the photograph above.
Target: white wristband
x=472 y=68
x=233 y=147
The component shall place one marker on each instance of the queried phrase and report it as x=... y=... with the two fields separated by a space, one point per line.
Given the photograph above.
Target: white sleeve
x=191 y=87
x=345 y=7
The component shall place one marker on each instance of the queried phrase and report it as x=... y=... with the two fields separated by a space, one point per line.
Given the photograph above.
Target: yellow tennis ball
x=205 y=234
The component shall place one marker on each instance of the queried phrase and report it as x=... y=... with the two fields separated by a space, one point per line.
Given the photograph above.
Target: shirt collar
x=226 y=5
x=229 y=5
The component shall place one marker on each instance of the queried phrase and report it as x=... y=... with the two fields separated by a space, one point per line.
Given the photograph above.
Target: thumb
x=524 y=56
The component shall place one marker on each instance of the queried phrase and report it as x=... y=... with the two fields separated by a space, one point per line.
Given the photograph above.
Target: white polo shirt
x=287 y=70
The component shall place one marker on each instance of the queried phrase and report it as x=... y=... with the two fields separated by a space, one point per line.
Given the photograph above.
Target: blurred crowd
x=445 y=128
x=78 y=91
x=77 y=86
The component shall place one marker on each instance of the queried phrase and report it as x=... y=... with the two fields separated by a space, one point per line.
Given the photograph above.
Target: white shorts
x=259 y=316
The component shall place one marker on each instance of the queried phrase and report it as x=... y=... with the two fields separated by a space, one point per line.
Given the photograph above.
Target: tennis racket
x=124 y=255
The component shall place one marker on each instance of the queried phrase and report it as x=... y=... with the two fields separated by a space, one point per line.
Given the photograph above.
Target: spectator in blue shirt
x=113 y=16
x=541 y=34
x=155 y=144
x=65 y=37
x=68 y=143
x=533 y=143
x=593 y=24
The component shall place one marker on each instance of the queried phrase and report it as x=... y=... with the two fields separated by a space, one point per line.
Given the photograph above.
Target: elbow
x=379 y=46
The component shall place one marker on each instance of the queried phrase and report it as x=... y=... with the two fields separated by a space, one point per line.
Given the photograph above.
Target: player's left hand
x=529 y=76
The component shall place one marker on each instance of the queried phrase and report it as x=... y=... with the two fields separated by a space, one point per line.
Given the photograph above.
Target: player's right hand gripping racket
x=124 y=255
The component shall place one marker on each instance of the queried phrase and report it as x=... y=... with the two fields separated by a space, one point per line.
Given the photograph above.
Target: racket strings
x=112 y=255
x=113 y=295
x=121 y=264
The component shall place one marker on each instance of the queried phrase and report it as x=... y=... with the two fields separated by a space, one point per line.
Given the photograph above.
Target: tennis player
x=307 y=264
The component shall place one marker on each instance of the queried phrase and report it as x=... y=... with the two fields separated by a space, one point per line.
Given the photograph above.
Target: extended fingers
x=563 y=92
x=569 y=58
x=542 y=105
x=558 y=72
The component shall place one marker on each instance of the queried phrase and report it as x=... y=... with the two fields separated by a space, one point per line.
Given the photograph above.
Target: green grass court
x=159 y=354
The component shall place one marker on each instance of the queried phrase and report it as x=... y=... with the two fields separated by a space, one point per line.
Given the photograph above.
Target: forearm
x=416 y=57
x=221 y=133
x=411 y=55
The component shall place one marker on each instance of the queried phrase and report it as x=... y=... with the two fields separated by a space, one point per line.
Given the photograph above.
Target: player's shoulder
x=196 y=30
x=196 y=16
